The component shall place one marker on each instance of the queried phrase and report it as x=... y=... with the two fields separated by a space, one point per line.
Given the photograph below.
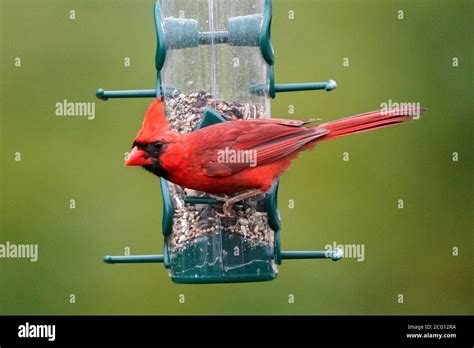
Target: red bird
x=195 y=160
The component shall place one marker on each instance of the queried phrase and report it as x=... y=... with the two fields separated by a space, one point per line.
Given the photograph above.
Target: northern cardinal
x=194 y=160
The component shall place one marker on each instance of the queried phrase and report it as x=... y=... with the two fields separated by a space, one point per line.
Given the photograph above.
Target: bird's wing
x=263 y=140
x=285 y=122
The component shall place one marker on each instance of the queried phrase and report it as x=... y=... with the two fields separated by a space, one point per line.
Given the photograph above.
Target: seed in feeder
x=244 y=230
x=243 y=221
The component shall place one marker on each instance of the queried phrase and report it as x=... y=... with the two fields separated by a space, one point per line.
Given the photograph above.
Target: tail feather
x=367 y=122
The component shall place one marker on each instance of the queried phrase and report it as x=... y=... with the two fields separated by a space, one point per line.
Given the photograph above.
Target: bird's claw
x=227 y=211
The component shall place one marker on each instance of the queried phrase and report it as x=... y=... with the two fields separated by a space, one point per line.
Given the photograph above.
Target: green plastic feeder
x=222 y=256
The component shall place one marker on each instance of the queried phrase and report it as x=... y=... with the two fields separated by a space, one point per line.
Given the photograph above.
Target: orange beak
x=138 y=157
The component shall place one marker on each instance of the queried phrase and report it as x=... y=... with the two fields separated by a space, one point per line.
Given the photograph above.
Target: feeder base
x=222 y=258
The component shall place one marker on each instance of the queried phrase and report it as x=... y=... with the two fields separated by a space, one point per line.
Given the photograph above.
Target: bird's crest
x=155 y=123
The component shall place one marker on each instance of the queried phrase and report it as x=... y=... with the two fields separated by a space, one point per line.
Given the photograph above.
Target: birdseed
x=185 y=111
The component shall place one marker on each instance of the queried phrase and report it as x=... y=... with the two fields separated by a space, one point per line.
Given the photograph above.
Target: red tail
x=367 y=122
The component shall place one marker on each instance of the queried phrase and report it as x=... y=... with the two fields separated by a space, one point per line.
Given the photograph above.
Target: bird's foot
x=227 y=208
x=227 y=211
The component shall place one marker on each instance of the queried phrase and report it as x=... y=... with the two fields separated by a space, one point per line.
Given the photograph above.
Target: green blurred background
x=407 y=251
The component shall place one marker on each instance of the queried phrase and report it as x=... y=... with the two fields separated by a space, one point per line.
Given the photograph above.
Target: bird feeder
x=215 y=63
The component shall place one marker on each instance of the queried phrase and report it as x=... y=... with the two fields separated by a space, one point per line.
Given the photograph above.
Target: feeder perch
x=219 y=55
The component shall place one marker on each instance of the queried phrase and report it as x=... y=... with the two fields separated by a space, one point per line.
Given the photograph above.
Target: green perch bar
x=261 y=89
x=256 y=89
x=134 y=259
x=298 y=255
x=285 y=255
x=309 y=86
x=137 y=93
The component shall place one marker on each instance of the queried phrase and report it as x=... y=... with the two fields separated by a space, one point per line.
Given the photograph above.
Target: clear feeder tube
x=212 y=60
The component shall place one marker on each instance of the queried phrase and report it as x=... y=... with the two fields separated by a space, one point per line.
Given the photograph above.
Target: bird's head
x=149 y=142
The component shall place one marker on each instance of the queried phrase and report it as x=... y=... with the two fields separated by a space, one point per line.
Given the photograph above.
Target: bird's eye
x=157 y=144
